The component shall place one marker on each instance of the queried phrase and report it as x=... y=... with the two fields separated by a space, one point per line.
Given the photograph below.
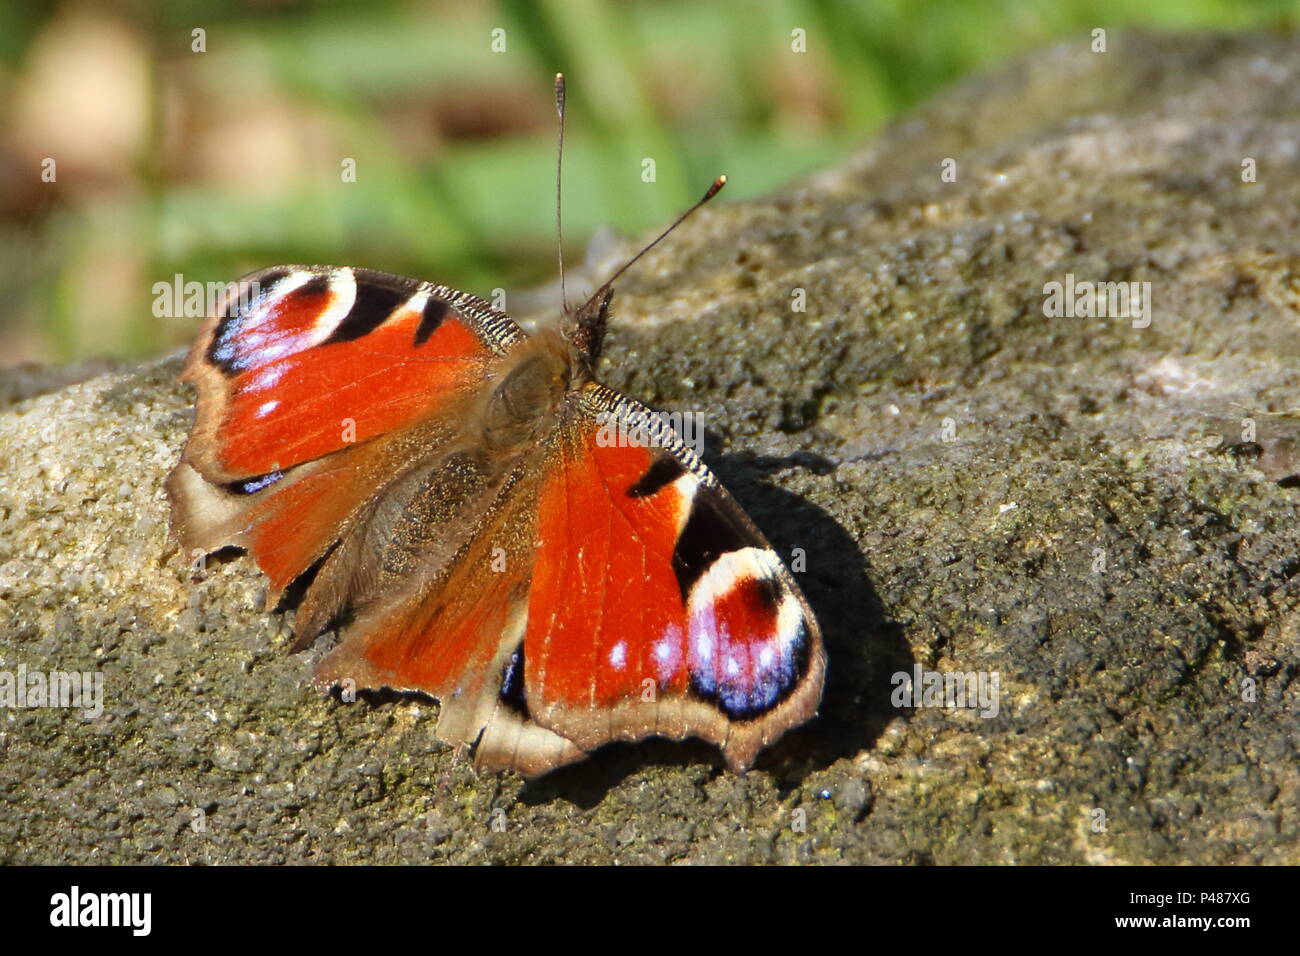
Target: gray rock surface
x=1069 y=503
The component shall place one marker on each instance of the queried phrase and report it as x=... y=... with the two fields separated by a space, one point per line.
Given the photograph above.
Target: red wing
x=656 y=606
x=301 y=361
x=304 y=375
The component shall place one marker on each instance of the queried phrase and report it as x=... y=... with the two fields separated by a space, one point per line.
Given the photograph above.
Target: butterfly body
x=453 y=495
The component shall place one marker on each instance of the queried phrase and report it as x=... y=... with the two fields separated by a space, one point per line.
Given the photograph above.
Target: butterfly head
x=589 y=322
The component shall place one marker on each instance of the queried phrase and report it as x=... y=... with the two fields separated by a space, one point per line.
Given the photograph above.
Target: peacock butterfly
x=436 y=483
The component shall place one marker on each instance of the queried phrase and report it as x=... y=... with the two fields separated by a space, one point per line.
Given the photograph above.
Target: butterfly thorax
x=528 y=391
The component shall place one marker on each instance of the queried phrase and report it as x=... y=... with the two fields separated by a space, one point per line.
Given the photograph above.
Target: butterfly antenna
x=559 y=168
x=712 y=191
x=591 y=316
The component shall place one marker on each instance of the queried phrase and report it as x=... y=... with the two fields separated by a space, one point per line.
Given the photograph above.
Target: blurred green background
x=210 y=164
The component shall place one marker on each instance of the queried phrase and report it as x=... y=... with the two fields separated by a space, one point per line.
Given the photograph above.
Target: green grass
x=455 y=143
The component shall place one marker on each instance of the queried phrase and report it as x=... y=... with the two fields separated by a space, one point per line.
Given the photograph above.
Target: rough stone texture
x=1096 y=531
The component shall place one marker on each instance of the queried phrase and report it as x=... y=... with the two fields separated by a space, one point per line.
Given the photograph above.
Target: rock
x=1097 y=511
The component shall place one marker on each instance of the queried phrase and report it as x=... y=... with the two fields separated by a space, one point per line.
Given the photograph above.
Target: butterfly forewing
x=657 y=608
x=299 y=373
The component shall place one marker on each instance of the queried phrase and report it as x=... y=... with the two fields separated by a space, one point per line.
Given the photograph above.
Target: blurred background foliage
x=213 y=163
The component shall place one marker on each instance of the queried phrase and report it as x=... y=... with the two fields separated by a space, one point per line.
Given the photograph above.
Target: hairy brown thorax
x=526 y=392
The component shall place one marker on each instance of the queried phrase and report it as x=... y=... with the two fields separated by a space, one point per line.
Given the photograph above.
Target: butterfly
x=452 y=496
